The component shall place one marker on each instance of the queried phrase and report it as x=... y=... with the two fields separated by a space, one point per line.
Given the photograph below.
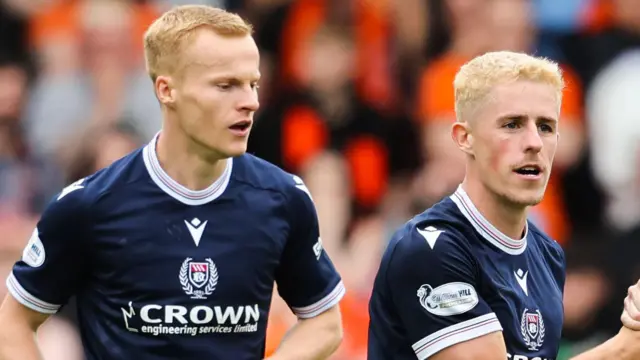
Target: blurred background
x=356 y=98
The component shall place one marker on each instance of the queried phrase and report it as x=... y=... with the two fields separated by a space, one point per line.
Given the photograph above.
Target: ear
x=164 y=87
x=463 y=137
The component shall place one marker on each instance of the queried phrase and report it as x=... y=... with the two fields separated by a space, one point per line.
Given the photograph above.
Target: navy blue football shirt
x=449 y=276
x=164 y=272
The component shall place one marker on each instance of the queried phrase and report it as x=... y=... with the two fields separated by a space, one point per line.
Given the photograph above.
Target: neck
x=508 y=218
x=188 y=163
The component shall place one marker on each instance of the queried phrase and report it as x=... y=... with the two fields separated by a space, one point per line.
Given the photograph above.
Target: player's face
x=515 y=140
x=216 y=91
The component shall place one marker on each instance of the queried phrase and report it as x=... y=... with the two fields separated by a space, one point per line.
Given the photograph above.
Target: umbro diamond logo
x=196 y=228
x=521 y=278
x=71 y=188
x=430 y=234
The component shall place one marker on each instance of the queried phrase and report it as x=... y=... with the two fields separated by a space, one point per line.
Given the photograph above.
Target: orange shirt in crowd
x=64 y=20
x=436 y=103
x=597 y=15
x=371 y=34
x=305 y=134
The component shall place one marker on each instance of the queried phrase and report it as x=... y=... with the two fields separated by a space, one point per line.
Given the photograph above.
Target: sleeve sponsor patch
x=34 y=254
x=448 y=299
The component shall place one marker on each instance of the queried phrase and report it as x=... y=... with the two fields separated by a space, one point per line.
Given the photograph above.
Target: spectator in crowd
x=92 y=70
x=27 y=183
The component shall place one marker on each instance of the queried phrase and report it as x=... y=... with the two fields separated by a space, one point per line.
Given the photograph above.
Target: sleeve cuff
x=455 y=334
x=322 y=305
x=25 y=298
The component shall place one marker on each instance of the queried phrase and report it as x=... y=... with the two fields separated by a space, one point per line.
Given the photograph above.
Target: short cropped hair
x=476 y=79
x=167 y=35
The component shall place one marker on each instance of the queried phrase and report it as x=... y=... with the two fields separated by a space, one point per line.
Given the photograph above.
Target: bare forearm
x=18 y=342
x=309 y=340
x=623 y=346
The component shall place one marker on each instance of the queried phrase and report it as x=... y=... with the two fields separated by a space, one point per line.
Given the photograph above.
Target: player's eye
x=223 y=86
x=511 y=125
x=255 y=86
x=546 y=128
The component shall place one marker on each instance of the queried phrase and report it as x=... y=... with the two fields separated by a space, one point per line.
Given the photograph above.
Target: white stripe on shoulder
x=28 y=300
x=455 y=334
x=322 y=305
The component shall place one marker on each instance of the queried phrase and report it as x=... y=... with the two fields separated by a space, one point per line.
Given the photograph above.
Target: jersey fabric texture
x=163 y=272
x=449 y=276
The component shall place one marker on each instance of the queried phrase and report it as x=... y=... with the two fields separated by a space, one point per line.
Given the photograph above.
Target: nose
x=249 y=101
x=532 y=140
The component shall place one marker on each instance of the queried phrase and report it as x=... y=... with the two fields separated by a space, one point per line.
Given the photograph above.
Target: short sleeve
x=53 y=262
x=306 y=277
x=433 y=287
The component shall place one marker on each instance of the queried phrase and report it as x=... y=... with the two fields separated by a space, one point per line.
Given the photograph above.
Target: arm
x=314 y=338
x=431 y=278
x=626 y=344
x=309 y=284
x=631 y=314
x=486 y=347
x=44 y=278
x=18 y=341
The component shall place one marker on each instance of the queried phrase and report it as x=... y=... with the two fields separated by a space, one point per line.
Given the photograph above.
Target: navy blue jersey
x=449 y=276
x=164 y=272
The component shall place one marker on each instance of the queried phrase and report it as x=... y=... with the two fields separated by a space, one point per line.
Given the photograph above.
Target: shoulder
x=551 y=253
x=550 y=247
x=122 y=172
x=83 y=193
x=261 y=174
x=429 y=238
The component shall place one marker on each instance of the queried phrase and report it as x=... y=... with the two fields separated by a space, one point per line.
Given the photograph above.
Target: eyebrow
x=227 y=76
x=521 y=117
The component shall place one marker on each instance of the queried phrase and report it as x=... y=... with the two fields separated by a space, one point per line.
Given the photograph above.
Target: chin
x=227 y=150
x=231 y=154
x=525 y=197
x=234 y=150
x=531 y=200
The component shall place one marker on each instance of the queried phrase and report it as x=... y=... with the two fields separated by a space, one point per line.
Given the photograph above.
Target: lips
x=529 y=170
x=241 y=125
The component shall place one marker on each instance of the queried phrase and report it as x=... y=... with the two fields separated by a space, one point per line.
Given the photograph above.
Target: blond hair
x=475 y=79
x=168 y=34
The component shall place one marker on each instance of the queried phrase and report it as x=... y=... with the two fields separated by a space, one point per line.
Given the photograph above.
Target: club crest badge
x=198 y=279
x=532 y=329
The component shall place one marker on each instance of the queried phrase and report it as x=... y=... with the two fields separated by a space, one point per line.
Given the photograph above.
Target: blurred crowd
x=356 y=98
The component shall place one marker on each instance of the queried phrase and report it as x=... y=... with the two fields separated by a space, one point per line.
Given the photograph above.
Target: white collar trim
x=178 y=191
x=485 y=228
